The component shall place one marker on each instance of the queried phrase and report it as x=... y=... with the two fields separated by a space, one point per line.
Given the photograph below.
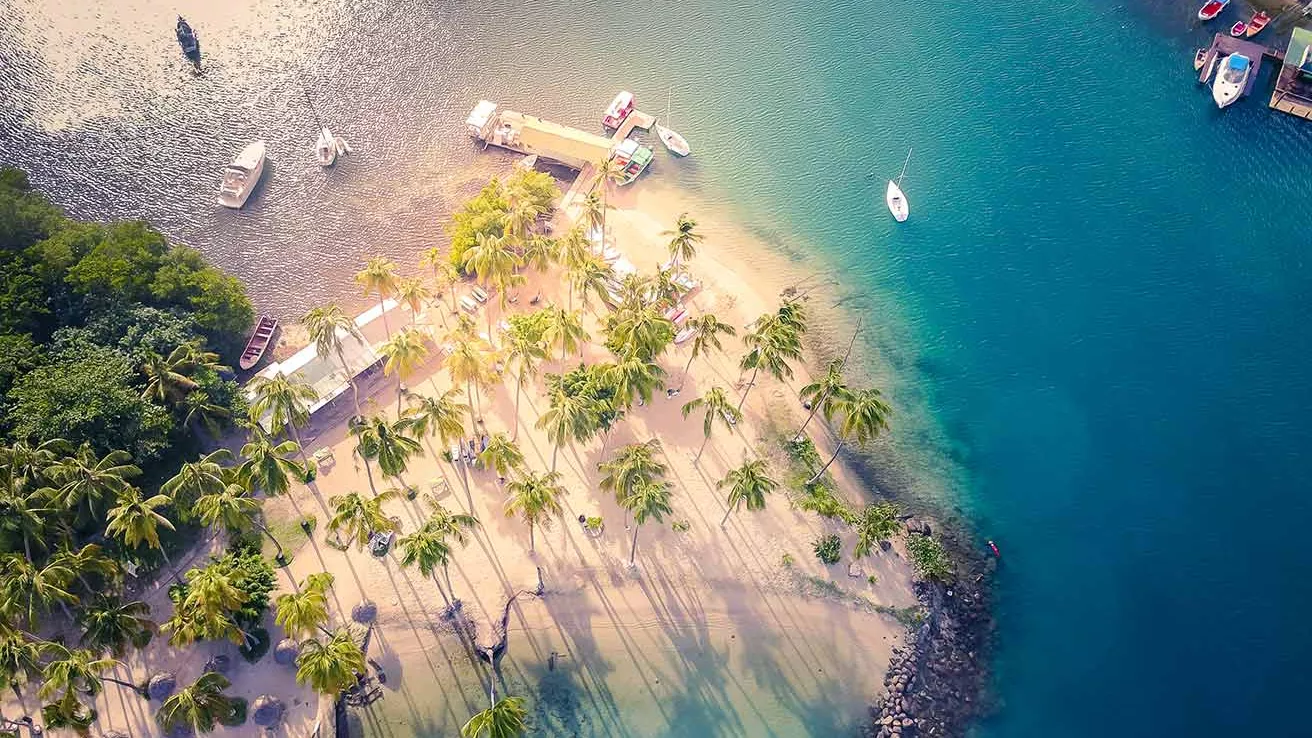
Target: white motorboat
x=325 y=149
x=241 y=176
x=677 y=144
x=1231 y=78
x=894 y=197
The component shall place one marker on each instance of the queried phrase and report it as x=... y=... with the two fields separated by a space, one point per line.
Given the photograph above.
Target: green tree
x=865 y=414
x=286 y=401
x=78 y=670
x=28 y=515
x=649 y=500
x=199 y=706
x=502 y=455
x=330 y=666
x=564 y=328
x=85 y=480
x=541 y=252
x=748 y=485
x=359 y=516
x=445 y=276
x=20 y=660
x=196 y=478
x=28 y=590
x=268 y=465
x=170 y=379
x=929 y=558
x=386 y=443
x=644 y=332
x=328 y=326
x=525 y=346
x=683 y=241
x=470 y=362
x=136 y=519
x=86 y=561
x=826 y=394
x=414 y=294
x=405 y=352
x=304 y=612
x=718 y=408
x=771 y=344
x=430 y=546
x=536 y=499
x=234 y=510
x=706 y=331
x=635 y=378
x=379 y=278
x=113 y=625
x=594 y=213
x=507 y=718
x=569 y=418
x=591 y=275
x=876 y=524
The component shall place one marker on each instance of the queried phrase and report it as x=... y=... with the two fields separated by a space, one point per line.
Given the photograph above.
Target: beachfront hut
x=1293 y=90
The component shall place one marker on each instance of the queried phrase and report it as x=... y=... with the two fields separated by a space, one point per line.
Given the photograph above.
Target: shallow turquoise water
x=1095 y=326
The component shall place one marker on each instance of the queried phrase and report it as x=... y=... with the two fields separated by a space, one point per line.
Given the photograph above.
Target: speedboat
x=897 y=202
x=241 y=176
x=1238 y=29
x=188 y=41
x=672 y=140
x=325 y=149
x=1257 y=23
x=619 y=109
x=1231 y=78
x=1212 y=9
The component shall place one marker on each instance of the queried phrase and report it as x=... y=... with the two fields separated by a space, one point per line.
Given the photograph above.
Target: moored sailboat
x=895 y=198
x=677 y=144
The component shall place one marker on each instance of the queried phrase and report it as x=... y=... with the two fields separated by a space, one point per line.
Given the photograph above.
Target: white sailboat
x=677 y=144
x=893 y=196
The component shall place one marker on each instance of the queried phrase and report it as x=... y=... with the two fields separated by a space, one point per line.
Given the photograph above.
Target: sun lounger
x=469 y=305
x=479 y=294
x=439 y=487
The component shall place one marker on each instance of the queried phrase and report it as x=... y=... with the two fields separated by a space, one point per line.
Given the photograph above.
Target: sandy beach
x=736 y=630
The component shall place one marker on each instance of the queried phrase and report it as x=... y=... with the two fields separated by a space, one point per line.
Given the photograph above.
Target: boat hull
x=325 y=149
x=676 y=144
x=1211 y=10
x=897 y=202
x=259 y=342
x=242 y=176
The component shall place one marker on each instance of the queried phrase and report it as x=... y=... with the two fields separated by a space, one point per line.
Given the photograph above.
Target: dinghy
x=1257 y=23
x=1211 y=9
x=259 y=342
x=1238 y=29
x=189 y=43
x=894 y=197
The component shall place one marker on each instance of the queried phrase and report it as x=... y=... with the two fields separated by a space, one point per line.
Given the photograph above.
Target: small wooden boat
x=894 y=198
x=1238 y=29
x=260 y=340
x=1199 y=57
x=189 y=43
x=1257 y=23
x=1212 y=9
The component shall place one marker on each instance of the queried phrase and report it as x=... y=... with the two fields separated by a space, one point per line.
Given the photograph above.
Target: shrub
x=787 y=561
x=255 y=650
x=929 y=558
x=593 y=523
x=680 y=526
x=239 y=708
x=829 y=549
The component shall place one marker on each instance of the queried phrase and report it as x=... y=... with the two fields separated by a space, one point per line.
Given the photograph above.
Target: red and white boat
x=260 y=340
x=619 y=109
x=1257 y=23
x=1238 y=29
x=1212 y=9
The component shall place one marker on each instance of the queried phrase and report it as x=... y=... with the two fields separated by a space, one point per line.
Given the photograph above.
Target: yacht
x=1231 y=78
x=241 y=176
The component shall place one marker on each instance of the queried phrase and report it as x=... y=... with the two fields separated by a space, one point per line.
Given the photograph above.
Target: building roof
x=569 y=146
x=1297 y=53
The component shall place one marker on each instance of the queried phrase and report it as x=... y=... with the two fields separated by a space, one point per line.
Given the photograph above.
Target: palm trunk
x=687 y=368
x=489 y=325
x=442 y=590
x=705 y=440
x=382 y=309
x=820 y=473
x=369 y=472
x=819 y=401
x=563 y=345
x=727 y=513
x=555 y=451
x=633 y=550
x=446 y=574
x=473 y=414
x=750 y=385
x=519 y=388
x=122 y=683
x=532 y=542
x=350 y=379
x=282 y=555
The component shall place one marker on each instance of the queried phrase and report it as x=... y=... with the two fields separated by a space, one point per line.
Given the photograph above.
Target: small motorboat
x=1231 y=78
x=618 y=110
x=894 y=197
x=1212 y=9
x=259 y=341
x=325 y=149
x=189 y=43
x=1257 y=23
x=994 y=547
x=1211 y=68
x=1200 y=56
x=1238 y=29
x=241 y=176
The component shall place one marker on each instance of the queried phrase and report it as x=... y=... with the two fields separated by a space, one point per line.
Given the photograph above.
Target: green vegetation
x=929 y=558
x=828 y=548
x=201 y=705
x=501 y=210
x=506 y=718
x=225 y=599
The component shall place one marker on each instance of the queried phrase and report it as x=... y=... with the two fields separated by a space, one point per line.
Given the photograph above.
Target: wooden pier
x=1293 y=88
x=587 y=179
x=636 y=119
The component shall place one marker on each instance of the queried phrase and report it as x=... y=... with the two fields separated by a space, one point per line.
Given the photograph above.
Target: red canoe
x=259 y=342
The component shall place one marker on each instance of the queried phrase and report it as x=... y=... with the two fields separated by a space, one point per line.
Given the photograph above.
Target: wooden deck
x=636 y=119
x=587 y=179
x=1223 y=44
x=1291 y=94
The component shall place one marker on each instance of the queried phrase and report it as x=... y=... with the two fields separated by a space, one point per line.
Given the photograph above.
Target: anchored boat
x=672 y=140
x=632 y=159
x=893 y=196
x=1230 y=80
x=618 y=110
x=260 y=340
x=189 y=43
x=1212 y=9
x=1257 y=23
x=241 y=176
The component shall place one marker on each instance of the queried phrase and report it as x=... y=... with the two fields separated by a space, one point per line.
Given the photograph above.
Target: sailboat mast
x=668 y=95
x=305 y=89
x=904 y=168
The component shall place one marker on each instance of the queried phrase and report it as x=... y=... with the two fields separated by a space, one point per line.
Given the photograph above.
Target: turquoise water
x=1095 y=325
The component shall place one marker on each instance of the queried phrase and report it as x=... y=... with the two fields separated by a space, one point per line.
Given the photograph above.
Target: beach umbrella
x=266 y=710
x=365 y=612
x=161 y=685
x=219 y=664
x=286 y=651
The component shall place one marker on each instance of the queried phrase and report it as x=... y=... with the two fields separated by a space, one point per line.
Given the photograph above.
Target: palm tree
x=470 y=363
x=568 y=419
x=20 y=660
x=86 y=481
x=441 y=416
x=268 y=466
x=564 y=328
x=78 y=670
x=359 y=516
x=535 y=498
x=327 y=326
x=27 y=514
x=507 y=718
x=524 y=348
x=865 y=414
x=114 y=625
x=643 y=331
x=213 y=590
x=90 y=559
x=771 y=344
x=608 y=170
x=649 y=500
x=635 y=378
x=628 y=466
x=876 y=524
x=136 y=520
x=285 y=399
x=234 y=510
x=574 y=246
x=501 y=455
x=384 y=442
x=521 y=215
x=826 y=394
x=429 y=549
x=594 y=213
x=589 y=276
x=683 y=241
x=541 y=252
x=748 y=484
x=28 y=590
x=719 y=408
x=331 y=666
x=379 y=279
x=196 y=478
x=305 y=611
x=25 y=464
x=492 y=261
x=199 y=706
x=706 y=331
x=199 y=408
x=405 y=352
x=445 y=275
x=414 y=294
x=168 y=378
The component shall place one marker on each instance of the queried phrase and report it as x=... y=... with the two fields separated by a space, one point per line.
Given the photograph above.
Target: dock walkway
x=636 y=119
x=587 y=179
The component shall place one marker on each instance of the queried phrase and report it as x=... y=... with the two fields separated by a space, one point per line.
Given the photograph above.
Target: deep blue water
x=1095 y=327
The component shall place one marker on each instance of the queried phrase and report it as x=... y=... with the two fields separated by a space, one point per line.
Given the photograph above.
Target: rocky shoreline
x=937 y=684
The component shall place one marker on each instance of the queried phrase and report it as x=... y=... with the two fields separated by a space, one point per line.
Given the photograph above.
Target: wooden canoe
x=260 y=341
